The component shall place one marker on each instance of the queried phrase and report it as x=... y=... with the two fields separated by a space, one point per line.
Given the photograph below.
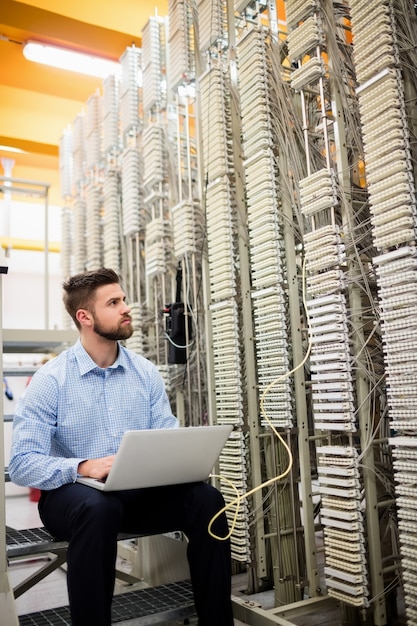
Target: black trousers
x=90 y=521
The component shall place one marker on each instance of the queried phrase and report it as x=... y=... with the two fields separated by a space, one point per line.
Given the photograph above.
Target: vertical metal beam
x=306 y=491
x=46 y=259
x=362 y=383
x=7 y=605
x=246 y=310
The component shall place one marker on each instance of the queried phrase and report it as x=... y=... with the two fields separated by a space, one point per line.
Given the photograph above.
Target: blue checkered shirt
x=73 y=410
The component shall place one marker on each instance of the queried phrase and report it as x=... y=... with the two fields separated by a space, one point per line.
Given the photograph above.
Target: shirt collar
x=86 y=363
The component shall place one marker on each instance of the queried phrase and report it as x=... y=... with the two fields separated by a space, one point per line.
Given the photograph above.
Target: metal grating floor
x=144 y=605
x=30 y=541
x=38 y=540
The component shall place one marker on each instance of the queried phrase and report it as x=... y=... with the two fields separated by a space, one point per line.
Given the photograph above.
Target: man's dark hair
x=80 y=290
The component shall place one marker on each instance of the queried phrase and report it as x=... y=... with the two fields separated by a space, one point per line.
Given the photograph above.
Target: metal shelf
x=23 y=341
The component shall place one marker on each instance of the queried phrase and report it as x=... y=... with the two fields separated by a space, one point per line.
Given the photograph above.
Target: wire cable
x=237 y=501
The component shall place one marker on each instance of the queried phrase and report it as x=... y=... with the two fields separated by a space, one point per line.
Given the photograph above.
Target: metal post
x=7 y=605
x=46 y=258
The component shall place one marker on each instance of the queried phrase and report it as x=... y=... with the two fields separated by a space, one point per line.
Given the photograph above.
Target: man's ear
x=84 y=317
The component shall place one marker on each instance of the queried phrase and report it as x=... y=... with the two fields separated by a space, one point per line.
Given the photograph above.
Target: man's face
x=111 y=315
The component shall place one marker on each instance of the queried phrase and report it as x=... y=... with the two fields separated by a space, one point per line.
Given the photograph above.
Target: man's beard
x=115 y=334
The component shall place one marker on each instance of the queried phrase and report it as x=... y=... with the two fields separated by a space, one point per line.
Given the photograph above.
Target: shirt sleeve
x=71 y=412
x=34 y=424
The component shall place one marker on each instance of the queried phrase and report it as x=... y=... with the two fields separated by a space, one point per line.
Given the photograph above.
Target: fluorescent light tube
x=70 y=60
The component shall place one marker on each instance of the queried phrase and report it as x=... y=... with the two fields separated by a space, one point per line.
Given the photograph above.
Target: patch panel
x=334 y=397
x=354 y=540
x=337 y=461
x=341 y=504
x=373 y=138
x=338 y=257
x=353 y=569
x=405 y=300
x=375 y=34
x=329 y=348
x=328 y=386
x=400 y=181
x=297 y=10
x=395 y=238
x=397 y=156
x=386 y=170
x=329 y=338
x=398 y=224
x=409 y=425
x=323 y=329
x=379 y=59
x=332 y=355
x=325 y=282
x=352 y=555
x=404 y=280
x=344 y=470
x=348 y=577
x=371 y=109
x=339 y=523
x=302 y=39
x=385 y=80
x=335 y=407
x=326 y=300
x=389 y=120
x=361 y=12
x=326 y=251
x=345 y=483
x=396 y=207
x=334 y=417
x=343 y=366
x=330 y=230
x=398 y=311
x=306 y=74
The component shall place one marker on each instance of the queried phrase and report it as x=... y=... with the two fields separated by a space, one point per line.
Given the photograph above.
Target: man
x=70 y=421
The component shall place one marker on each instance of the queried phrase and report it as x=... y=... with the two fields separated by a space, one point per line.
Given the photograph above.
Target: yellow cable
x=271 y=481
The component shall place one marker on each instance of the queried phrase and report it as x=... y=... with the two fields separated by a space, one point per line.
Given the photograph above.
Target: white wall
x=24 y=285
x=23 y=290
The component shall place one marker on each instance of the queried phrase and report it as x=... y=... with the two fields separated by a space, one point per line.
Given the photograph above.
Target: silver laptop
x=170 y=456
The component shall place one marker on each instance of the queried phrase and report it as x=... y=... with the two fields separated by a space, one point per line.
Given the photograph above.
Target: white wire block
x=111 y=115
x=79 y=237
x=180 y=44
x=153 y=150
x=220 y=236
x=93 y=227
x=66 y=163
x=298 y=10
x=66 y=241
x=153 y=54
x=187 y=223
x=131 y=190
x=227 y=366
x=307 y=74
x=216 y=124
x=79 y=148
x=302 y=39
x=93 y=131
x=211 y=18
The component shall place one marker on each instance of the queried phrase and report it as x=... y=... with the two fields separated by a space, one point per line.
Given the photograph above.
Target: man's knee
x=102 y=511
x=208 y=498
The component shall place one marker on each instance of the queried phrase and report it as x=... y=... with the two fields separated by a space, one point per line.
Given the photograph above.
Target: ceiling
x=38 y=102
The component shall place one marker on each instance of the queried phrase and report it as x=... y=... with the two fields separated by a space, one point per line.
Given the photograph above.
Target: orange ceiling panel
x=126 y=16
x=38 y=102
